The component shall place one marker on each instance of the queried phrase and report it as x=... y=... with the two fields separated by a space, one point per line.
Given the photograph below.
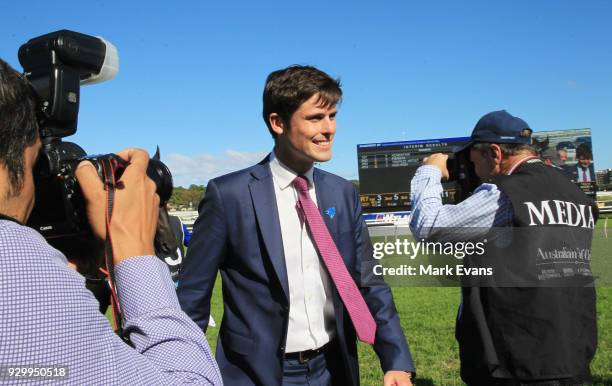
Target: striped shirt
x=487 y=207
x=49 y=319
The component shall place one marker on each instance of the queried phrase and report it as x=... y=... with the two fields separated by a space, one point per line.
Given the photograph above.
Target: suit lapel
x=326 y=202
x=266 y=212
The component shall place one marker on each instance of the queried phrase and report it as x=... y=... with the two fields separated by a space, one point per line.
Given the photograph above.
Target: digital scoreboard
x=386 y=169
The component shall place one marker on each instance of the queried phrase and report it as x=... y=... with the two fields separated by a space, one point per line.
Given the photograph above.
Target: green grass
x=428 y=317
x=428 y=320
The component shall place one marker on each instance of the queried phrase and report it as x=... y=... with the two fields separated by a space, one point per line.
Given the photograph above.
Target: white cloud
x=198 y=169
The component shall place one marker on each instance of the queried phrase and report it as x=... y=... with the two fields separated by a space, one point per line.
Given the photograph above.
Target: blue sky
x=192 y=72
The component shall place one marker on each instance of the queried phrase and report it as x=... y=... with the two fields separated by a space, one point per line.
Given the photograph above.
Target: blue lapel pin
x=331 y=212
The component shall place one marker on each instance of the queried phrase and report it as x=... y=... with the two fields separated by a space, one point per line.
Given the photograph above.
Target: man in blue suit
x=583 y=171
x=285 y=322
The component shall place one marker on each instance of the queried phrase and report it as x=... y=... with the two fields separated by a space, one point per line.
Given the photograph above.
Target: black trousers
x=581 y=380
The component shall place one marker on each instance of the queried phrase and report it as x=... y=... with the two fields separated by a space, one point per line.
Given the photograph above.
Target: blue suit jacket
x=238 y=233
x=574 y=175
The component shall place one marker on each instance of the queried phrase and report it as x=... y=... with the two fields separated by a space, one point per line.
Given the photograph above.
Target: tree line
x=187 y=198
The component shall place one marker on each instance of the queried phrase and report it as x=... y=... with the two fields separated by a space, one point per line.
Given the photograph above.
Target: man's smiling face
x=310 y=135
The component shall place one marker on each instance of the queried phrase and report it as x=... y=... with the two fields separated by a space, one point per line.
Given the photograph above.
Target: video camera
x=57 y=64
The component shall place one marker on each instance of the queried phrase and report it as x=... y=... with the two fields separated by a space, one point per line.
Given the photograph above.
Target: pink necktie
x=362 y=319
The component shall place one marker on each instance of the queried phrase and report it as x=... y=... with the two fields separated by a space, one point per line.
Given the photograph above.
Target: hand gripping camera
x=56 y=64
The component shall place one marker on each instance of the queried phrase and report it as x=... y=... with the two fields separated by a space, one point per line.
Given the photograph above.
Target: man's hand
x=135 y=207
x=397 y=378
x=438 y=160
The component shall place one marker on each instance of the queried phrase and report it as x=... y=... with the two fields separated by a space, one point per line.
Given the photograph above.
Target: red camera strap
x=108 y=174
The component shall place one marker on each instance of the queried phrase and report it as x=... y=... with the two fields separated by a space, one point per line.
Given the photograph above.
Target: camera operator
x=50 y=326
x=510 y=335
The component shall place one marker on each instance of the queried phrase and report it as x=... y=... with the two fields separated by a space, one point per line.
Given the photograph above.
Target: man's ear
x=276 y=123
x=496 y=153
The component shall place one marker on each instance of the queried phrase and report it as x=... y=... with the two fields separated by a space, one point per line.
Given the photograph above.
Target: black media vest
x=543 y=326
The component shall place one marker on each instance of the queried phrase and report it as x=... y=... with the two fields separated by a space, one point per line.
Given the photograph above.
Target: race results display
x=385 y=171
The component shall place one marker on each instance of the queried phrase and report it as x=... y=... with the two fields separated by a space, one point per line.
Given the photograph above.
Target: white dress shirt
x=311 y=310
x=581 y=174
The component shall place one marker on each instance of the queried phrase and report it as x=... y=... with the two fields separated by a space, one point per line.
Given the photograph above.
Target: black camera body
x=461 y=170
x=59 y=211
x=56 y=64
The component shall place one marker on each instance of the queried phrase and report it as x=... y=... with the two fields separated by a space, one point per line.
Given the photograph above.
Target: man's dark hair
x=584 y=151
x=18 y=123
x=508 y=149
x=288 y=88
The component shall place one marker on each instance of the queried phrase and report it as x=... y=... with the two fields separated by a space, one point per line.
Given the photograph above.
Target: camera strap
x=8 y=218
x=109 y=167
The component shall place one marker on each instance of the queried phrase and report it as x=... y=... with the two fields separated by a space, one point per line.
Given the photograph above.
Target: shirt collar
x=528 y=159
x=283 y=176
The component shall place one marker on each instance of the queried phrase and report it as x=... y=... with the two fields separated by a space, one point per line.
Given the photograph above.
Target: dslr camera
x=56 y=65
x=461 y=171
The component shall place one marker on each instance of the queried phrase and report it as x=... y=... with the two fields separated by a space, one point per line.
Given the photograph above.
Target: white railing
x=187 y=217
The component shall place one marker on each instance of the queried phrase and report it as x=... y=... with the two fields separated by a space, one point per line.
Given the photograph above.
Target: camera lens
x=160 y=174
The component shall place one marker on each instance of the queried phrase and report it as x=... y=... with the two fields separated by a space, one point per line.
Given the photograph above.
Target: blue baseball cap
x=499 y=127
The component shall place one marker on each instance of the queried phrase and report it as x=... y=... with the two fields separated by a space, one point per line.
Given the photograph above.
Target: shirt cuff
x=144 y=285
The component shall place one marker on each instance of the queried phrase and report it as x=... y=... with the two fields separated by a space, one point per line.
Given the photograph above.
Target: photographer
x=50 y=326
x=525 y=334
